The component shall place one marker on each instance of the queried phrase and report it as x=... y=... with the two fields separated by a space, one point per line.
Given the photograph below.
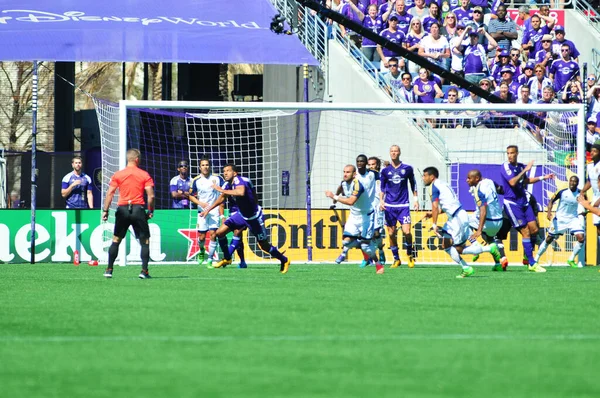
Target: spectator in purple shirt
x=532 y=38
x=375 y=24
x=559 y=31
x=564 y=70
x=544 y=56
x=394 y=35
x=426 y=91
x=527 y=73
x=507 y=77
x=474 y=55
x=356 y=12
x=434 y=16
x=404 y=18
x=413 y=43
x=464 y=14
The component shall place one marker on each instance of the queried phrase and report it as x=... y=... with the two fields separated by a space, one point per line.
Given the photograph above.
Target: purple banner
x=200 y=31
x=491 y=171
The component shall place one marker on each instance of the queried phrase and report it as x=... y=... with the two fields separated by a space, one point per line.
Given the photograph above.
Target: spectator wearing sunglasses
x=564 y=70
x=180 y=187
x=559 y=32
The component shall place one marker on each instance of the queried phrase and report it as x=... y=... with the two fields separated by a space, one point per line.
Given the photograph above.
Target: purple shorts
x=395 y=215
x=519 y=215
x=256 y=226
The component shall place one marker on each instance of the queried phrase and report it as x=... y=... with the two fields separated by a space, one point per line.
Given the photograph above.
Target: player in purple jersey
x=395 y=201
x=517 y=204
x=237 y=242
x=77 y=187
x=249 y=214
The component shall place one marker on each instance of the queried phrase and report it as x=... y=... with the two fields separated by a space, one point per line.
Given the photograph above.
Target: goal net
x=294 y=152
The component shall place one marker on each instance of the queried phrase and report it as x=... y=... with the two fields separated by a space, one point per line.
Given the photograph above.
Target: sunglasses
x=393 y=65
x=546 y=41
x=451 y=95
x=514 y=55
x=477 y=12
x=182 y=165
x=406 y=78
x=484 y=84
x=450 y=17
x=564 y=50
x=591 y=79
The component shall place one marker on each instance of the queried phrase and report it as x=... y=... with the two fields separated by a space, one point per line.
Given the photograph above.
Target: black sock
x=224 y=248
x=113 y=252
x=145 y=254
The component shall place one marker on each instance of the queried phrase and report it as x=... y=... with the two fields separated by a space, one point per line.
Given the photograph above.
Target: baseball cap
x=473 y=33
x=592 y=119
x=529 y=65
x=559 y=28
x=507 y=69
x=504 y=53
x=547 y=37
x=393 y=18
x=477 y=8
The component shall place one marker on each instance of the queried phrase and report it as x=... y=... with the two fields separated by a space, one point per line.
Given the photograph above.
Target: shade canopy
x=198 y=31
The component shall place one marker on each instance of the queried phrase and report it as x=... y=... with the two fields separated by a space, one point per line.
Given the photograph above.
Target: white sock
x=212 y=246
x=456 y=257
x=476 y=249
x=576 y=249
x=541 y=250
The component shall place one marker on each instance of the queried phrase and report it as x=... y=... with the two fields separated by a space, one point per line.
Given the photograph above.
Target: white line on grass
x=307 y=338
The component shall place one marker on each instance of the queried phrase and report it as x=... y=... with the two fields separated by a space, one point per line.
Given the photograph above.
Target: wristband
x=105 y=211
x=336 y=197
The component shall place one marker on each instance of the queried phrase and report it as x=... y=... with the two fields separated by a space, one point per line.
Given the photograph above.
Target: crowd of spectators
x=525 y=63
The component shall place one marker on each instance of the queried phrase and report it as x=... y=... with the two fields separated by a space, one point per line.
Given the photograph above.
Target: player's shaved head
x=351 y=167
x=475 y=173
x=133 y=155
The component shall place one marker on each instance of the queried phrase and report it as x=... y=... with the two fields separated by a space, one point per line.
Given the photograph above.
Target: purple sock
x=528 y=249
x=276 y=253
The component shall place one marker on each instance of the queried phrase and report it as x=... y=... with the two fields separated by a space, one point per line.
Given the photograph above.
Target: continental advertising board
x=60 y=232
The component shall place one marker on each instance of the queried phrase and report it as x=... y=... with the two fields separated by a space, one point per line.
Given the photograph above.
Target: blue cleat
x=243 y=265
x=340 y=259
x=364 y=263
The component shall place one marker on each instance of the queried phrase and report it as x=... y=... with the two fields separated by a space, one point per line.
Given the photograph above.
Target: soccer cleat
x=381 y=256
x=223 y=263
x=497 y=267
x=572 y=263
x=145 y=275
x=536 y=268
x=340 y=258
x=411 y=261
x=201 y=258
x=363 y=263
x=495 y=252
x=209 y=263
x=380 y=269
x=466 y=272
x=525 y=260
x=504 y=262
x=475 y=258
x=285 y=266
x=243 y=265
x=396 y=263
x=108 y=273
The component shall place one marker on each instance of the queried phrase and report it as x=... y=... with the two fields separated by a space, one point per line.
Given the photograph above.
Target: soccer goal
x=293 y=152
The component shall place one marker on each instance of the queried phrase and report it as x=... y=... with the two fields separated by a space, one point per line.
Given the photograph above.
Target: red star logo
x=192 y=236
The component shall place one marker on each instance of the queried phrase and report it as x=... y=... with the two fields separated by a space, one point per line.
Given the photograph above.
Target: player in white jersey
x=374 y=163
x=204 y=195
x=358 y=230
x=593 y=172
x=455 y=233
x=487 y=219
x=565 y=218
x=369 y=179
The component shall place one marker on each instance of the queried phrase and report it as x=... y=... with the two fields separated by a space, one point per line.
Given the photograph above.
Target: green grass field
x=319 y=331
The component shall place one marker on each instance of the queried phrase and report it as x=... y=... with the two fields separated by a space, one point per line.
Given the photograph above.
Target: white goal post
x=332 y=134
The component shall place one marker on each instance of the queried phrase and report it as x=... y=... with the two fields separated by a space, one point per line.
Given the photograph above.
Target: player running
x=566 y=217
x=395 y=201
x=455 y=233
x=516 y=202
x=241 y=190
x=487 y=219
x=204 y=195
x=358 y=230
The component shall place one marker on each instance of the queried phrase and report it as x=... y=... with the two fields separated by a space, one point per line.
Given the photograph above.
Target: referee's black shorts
x=135 y=218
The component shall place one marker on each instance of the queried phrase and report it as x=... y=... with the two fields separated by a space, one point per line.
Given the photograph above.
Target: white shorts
x=457 y=228
x=210 y=222
x=595 y=218
x=559 y=227
x=360 y=226
x=379 y=220
x=490 y=228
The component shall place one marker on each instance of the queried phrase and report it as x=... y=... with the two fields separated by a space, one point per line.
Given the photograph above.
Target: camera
x=277 y=25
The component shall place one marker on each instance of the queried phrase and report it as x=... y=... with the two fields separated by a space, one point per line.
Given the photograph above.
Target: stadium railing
x=588 y=12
